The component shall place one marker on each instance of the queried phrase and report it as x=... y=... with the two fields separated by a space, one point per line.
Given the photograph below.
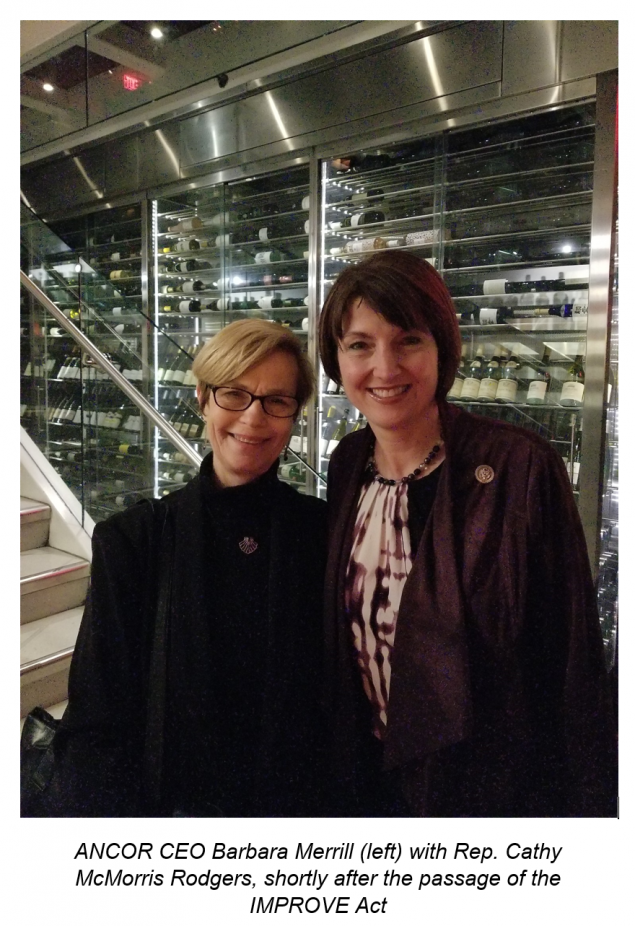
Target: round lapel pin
x=484 y=473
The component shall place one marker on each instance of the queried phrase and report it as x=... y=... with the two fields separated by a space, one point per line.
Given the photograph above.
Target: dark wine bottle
x=357 y=219
x=192 y=286
x=283 y=228
x=267 y=257
x=239 y=234
x=189 y=305
x=362 y=195
x=186 y=244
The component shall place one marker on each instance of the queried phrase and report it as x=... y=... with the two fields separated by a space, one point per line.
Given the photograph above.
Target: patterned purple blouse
x=381 y=558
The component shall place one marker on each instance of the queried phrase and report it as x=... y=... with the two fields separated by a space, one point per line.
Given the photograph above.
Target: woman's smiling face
x=389 y=374
x=247 y=443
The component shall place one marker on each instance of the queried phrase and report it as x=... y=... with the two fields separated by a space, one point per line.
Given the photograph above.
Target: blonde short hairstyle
x=242 y=345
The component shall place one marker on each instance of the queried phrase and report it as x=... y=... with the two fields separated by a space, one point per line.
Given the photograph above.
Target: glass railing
x=82 y=385
x=107 y=393
x=95 y=278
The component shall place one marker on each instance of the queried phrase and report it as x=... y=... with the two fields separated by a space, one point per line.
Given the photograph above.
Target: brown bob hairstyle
x=408 y=292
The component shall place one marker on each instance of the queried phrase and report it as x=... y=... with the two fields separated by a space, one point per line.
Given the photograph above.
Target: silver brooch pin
x=484 y=473
x=248 y=545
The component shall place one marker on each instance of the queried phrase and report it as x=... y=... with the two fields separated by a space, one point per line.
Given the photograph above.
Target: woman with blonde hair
x=238 y=730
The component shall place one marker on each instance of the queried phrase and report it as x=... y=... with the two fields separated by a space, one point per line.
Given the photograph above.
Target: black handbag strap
x=157 y=676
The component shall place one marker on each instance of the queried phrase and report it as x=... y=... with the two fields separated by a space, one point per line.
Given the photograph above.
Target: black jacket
x=498 y=702
x=209 y=767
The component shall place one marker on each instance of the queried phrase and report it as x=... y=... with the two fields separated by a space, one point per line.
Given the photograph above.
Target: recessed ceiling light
x=156 y=33
x=48 y=87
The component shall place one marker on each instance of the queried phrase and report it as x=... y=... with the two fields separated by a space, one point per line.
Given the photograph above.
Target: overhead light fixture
x=48 y=87
x=156 y=33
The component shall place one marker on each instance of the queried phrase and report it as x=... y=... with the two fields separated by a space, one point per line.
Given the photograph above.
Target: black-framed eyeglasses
x=237 y=400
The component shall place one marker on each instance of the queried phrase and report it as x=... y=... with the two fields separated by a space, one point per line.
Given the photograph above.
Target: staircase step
x=35 y=518
x=51 y=581
x=46 y=648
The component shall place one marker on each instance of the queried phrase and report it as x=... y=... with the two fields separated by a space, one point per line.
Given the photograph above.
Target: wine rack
x=226 y=252
x=503 y=211
x=91 y=433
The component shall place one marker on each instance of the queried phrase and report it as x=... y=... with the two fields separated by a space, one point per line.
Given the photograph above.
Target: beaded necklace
x=371 y=467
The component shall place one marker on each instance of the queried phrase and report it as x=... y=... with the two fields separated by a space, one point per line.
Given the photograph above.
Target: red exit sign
x=130 y=82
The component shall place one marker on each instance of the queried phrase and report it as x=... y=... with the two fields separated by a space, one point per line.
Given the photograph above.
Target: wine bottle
x=192 y=286
x=573 y=388
x=500 y=287
x=187 y=266
x=357 y=219
x=426 y=236
x=489 y=383
x=186 y=244
x=362 y=196
x=267 y=257
x=183 y=476
x=241 y=234
x=298 y=205
x=338 y=434
x=507 y=389
x=210 y=305
x=71 y=410
x=189 y=305
x=189 y=379
x=297 y=275
x=360 y=245
x=114 y=412
x=474 y=376
x=170 y=368
x=125 y=500
x=79 y=414
x=494 y=316
x=283 y=228
x=540 y=381
x=180 y=368
x=328 y=428
x=457 y=386
x=197 y=427
x=292 y=472
x=274 y=302
x=222 y=218
x=187 y=225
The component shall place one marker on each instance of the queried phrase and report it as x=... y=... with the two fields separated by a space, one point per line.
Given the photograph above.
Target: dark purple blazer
x=498 y=699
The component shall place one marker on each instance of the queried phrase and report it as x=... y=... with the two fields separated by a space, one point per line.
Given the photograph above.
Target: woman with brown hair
x=464 y=655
